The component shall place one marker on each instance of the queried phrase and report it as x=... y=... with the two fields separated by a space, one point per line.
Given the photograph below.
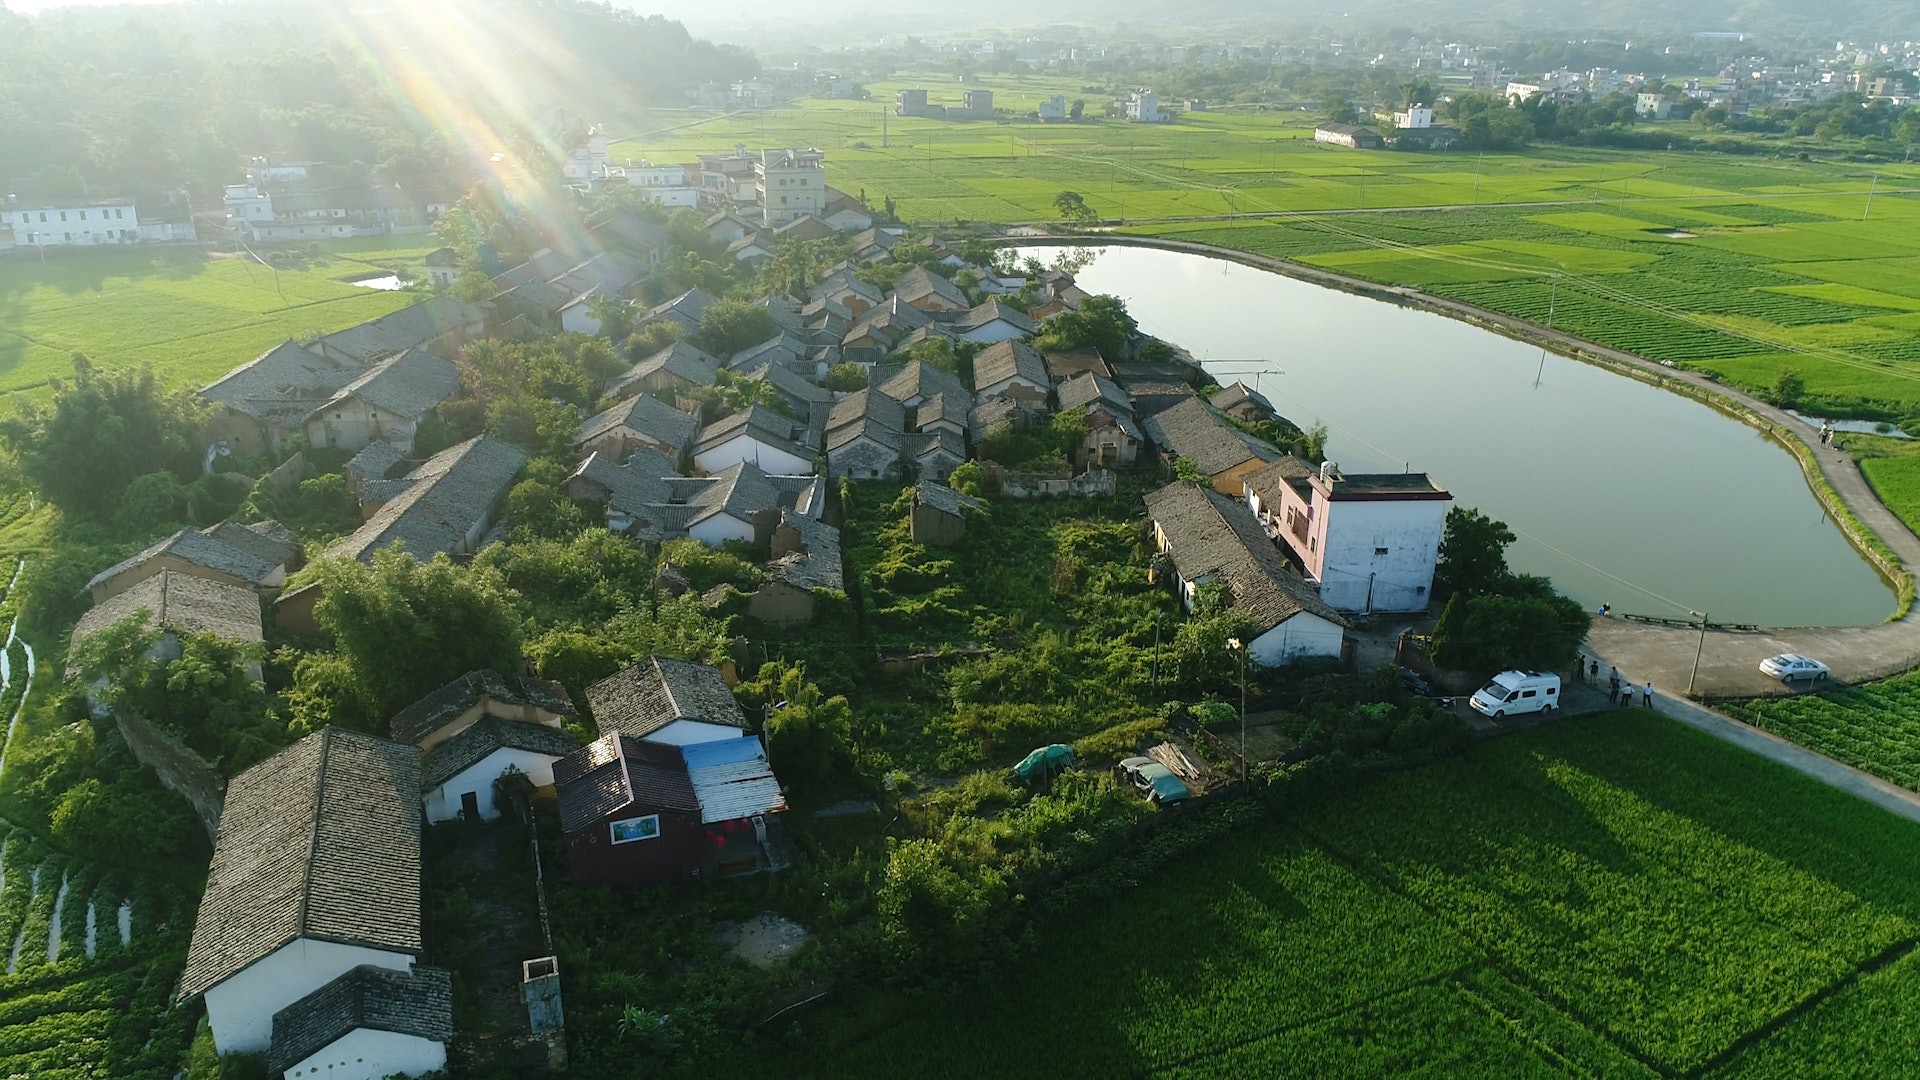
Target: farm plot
x=1874 y=727
x=1614 y=896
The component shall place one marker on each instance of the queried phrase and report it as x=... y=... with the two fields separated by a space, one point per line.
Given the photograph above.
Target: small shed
x=939 y=516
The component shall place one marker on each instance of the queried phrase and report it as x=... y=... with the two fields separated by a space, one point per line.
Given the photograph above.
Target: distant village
x=309 y=941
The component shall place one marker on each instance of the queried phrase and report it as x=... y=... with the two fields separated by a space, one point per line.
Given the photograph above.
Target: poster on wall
x=628 y=830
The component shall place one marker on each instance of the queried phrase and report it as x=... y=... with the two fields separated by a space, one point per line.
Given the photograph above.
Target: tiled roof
x=941 y=442
x=994 y=411
x=477 y=742
x=641 y=699
x=182 y=604
x=762 y=425
x=452 y=491
x=770 y=350
x=1005 y=360
x=1066 y=363
x=1088 y=388
x=1267 y=480
x=943 y=498
x=375 y=461
x=645 y=416
x=686 y=308
x=920 y=283
x=991 y=311
x=616 y=773
x=868 y=413
x=781 y=312
x=1239 y=393
x=915 y=381
x=266 y=539
x=404 y=329
x=197 y=549
x=893 y=315
x=1213 y=535
x=417 y=1003
x=408 y=384
x=1193 y=431
x=424 y=717
x=321 y=840
x=793 y=386
x=818 y=565
x=281 y=385
x=678 y=359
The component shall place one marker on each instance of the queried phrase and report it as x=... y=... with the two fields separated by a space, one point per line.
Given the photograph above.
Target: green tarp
x=1044 y=762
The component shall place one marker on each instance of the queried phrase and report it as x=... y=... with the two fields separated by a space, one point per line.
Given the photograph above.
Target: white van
x=1518 y=692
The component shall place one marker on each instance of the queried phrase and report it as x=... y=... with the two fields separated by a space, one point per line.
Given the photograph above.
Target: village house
x=935 y=399
x=864 y=436
x=438 y=324
x=803 y=230
x=369 y=1024
x=991 y=322
x=1351 y=136
x=1243 y=403
x=175 y=606
x=782 y=349
x=1211 y=540
x=446 y=504
x=459 y=778
x=789 y=184
x=1113 y=435
x=662 y=700
x=678 y=370
x=257 y=557
x=999 y=414
x=684 y=311
x=881 y=330
x=1371 y=540
x=806 y=562
x=845 y=213
x=648 y=813
x=316 y=872
x=1013 y=369
x=756 y=247
x=387 y=401
x=841 y=287
x=929 y=292
x=726 y=227
x=264 y=403
x=637 y=422
x=1192 y=431
x=807 y=400
x=443 y=267
x=939 y=514
x=773 y=442
x=648 y=501
x=45 y=223
x=476 y=696
x=875 y=245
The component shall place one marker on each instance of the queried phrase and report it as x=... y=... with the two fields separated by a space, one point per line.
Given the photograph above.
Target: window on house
x=63 y=215
x=83 y=215
x=628 y=830
x=43 y=215
x=69 y=237
x=1313 y=543
x=1379 y=551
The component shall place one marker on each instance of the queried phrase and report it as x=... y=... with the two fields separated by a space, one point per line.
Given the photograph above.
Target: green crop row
x=1874 y=727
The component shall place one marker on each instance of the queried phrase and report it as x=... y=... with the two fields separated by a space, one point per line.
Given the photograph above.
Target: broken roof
x=943 y=498
x=319 y=841
x=182 y=604
x=281 y=385
x=424 y=717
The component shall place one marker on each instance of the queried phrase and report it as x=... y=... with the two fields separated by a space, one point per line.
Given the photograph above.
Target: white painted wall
x=993 y=332
x=579 y=319
x=688 y=732
x=1401 y=579
x=744 y=447
x=721 y=528
x=240 y=1010
x=56 y=226
x=362 y=1054
x=1305 y=634
x=443 y=802
x=1015 y=386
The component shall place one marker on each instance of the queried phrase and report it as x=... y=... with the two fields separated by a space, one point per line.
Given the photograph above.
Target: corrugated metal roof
x=732 y=779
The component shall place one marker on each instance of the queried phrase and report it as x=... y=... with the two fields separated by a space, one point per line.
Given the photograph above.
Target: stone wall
x=179 y=768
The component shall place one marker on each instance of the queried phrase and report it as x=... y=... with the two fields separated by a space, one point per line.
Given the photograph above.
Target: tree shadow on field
x=76 y=272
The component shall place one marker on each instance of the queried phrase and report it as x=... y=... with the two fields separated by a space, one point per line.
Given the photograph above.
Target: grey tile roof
x=266 y=539
x=477 y=742
x=1005 y=360
x=794 y=387
x=409 y=384
x=817 y=565
x=632 y=486
x=407 y=328
x=281 y=385
x=375 y=461
x=874 y=238
x=684 y=309
x=762 y=425
x=1066 y=363
x=182 y=604
x=451 y=492
x=994 y=411
x=1239 y=393
x=543 y=265
x=943 y=498
x=426 y=716
x=678 y=359
x=322 y=841
x=1194 y=431
x=641 y=699
x=866 y=414
x=1287 y=470
x=932 y=448
x=920 y=284
x=892 y=315
x=1211 y=534
x=782 y=348
x=1089 y=387
x=782 y=313
x=646 y=416
x=842 y=282
x=915 y=381
x=197 y=549
x=619 y=773
x=417 y=1003
x=991 y=311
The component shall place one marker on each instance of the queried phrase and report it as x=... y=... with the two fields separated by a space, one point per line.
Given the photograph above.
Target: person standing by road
x=1646 y=696
x=1613 y=686
x=1593 y=673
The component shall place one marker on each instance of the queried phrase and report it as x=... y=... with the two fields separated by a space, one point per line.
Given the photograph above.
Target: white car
x=1790 y=666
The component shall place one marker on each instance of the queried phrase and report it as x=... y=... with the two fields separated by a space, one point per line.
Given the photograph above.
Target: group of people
x=1619 y=692
x=1826 y=433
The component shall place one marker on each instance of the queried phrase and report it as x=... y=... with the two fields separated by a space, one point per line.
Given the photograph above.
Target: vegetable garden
x=1614 y=895
x=1875 y=727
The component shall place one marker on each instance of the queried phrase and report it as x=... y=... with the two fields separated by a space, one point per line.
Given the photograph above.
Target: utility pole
x=1240 y=647
x=1870 y=186
x=883 y=128
x=1698 y=650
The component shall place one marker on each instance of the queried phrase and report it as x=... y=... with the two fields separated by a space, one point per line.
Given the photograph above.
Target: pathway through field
x=53 y=924
x=6 y=669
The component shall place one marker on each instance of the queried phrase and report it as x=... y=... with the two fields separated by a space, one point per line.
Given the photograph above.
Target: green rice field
x=1609 y=896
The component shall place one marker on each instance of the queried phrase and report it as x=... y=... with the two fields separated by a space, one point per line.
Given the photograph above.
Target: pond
x=384 y=282
x=1621 y=493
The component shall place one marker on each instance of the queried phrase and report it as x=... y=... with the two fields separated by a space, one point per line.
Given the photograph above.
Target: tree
x=1078 y=109
x=1788 y=389
x=1073 y=208
x=102 y=431
x=1101 y=321
x=1473 y=553
x=732 y=325
x=407 y=627
x=1530 y=626
x=1339 y=110
x=808 y=733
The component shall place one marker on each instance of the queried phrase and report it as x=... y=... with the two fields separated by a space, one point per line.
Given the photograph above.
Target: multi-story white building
x=664 y=184
x=1651 y=106
x=789 y=184
x=1370 y=540
x=48 y=223
x=1143 y=107
x=1054 y=108
x=1414 y=117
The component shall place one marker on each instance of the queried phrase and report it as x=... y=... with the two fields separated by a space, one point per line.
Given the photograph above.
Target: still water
x=383 y=282
x=1621 y=493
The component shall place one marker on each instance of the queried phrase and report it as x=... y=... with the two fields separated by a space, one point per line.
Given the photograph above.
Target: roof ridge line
x=313 y=834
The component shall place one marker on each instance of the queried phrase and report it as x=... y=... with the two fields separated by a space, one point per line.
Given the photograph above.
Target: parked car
x=1154 y=781
x=1418 y=686
x=1790 y=666
x=1518 y=692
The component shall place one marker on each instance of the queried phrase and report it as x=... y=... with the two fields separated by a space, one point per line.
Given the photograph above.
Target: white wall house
x=1371 y=541
x=771 y=458
x=240 y=1010
x=444 y=801
x=1143 y=107
x=1054 y=108
x=789 y=184
x=369 y=1054
x=718 y=528
x=1414 y=117
x=689 y=732
x=67 y=224
x=663 y=184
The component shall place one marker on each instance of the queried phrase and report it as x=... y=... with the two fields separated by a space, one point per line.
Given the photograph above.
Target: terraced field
x=1616 y=895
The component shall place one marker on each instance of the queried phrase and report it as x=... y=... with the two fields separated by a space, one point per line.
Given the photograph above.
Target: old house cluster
x=293 y=201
